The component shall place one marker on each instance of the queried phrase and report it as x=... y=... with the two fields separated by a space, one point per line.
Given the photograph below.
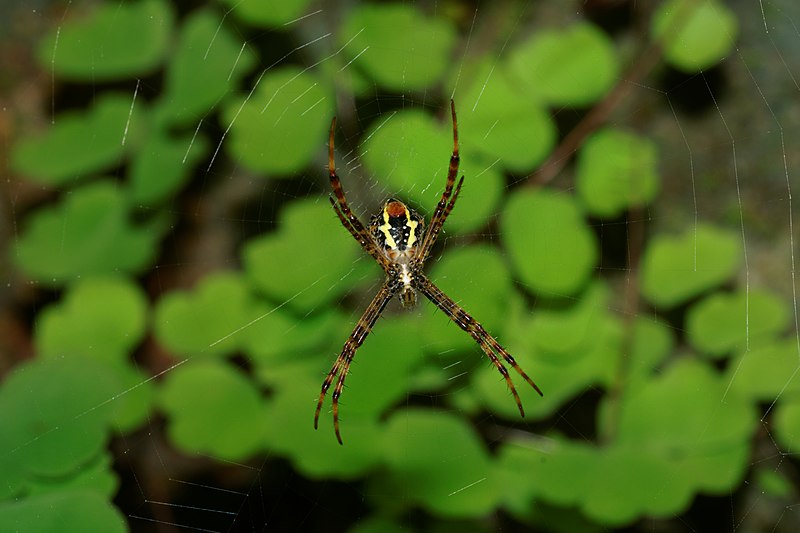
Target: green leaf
x=773 y=484
x=766 y=372
x=616 y=171
x=213 y=409
x=282 y=125
x=397 y=45
x=500 y=121
x=550 y=247
x=573 y=67
x=422 y=469
x=209 y=60
x=409 y=154
x=278 y=335
x=134 y=400
x=97 y=476
x=323 y=264
x=689 y=417
x=724 y=322
x=56 y=414
x=100 y=318
x=678 y=268
x=73 y=510
x=553 y=469
x=88 y=234
x=694 y=35
x=626 y=484
x=209 y=321
x=111 y=42
x=268 y=14
x=652 y=342
x=162 y=165
x=786 y=422
x=317 y=454
x=81 y=142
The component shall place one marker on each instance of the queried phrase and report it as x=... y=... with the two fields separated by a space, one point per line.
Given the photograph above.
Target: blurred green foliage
x=669 y=425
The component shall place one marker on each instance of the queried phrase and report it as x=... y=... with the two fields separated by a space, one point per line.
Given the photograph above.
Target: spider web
x=728 y=142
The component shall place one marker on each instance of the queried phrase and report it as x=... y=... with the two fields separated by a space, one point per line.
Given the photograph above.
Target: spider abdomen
x=397 y=228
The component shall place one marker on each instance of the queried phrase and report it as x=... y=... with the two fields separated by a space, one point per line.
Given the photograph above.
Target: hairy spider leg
x=487 y=343
x=446 y=202
x=348 y=219
x=356 y=339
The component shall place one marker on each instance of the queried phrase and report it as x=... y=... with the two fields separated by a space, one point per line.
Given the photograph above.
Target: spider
x=397 y=239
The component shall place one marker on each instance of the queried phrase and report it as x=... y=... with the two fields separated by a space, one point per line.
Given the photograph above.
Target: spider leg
x=348 y=219
x=487 y=343
x=448 y=199
x=342 y=364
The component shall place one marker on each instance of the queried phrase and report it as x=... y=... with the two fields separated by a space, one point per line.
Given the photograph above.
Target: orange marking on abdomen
x=395 y=209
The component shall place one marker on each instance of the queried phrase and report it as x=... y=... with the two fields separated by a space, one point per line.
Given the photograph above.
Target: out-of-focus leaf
x=213 y=409
x=88 y=234
x=550 y=246
x=111 y=42
x=397 y=45
x=209 y=61
x=573 y=66
x=81 y=142
x=281 y=126
x=677 y=268
x=695 y=35
x=616 y=171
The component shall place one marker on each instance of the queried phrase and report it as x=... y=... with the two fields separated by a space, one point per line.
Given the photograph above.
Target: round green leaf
x=73 y=510
x=550 y=246
x=209 y=321
x=677 y=268
x=409 y=153
x=723 y=322
x=689 y=417
x=317 y=454
x=88 y=234
x=616 y=171
x=282 y=125
x=766 y=371
x=111 y=42
x=56 y=414
x=278 y=335
x=694 y=35
x=572 y=67
x=162 y=165
x=421 y=468
x=208 y=61
x=322 y=253
x=213 y=409
x=97 y=476
x=787 y=424
x=651 y=343
x=502 y=122
x=626 y=484
x=553 y=469
x=81 y=142
x=397 y=45
x=102 y=318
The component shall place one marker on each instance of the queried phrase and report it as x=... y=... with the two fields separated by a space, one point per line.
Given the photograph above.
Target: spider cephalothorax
x=398 y=240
